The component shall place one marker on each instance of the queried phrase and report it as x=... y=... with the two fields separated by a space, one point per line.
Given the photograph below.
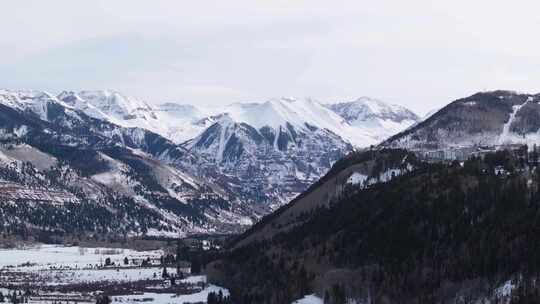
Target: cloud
x=418 y=53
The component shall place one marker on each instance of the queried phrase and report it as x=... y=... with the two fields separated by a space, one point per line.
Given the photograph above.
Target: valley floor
x=54 y=274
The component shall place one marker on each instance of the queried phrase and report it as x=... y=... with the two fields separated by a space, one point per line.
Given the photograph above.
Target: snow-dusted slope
x=305 y=113
x=266 y=152
x=269 y=151
x=483 y=119
x=37 y=102
x=363 y=122
x=182 y=122
x=274 y=150
x=223 y=166
x=277 y=113
x=52 y=152
x=116 y=108
x=174 y=121
x=374 y=117
x=117 y=105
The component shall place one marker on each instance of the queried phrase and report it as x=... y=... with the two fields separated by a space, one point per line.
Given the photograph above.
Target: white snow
x=504 y=137
x=50 y=265
x=34 y=101
x=357 y=178
x=505 y=290
x=166 y=298
x=60 y=265
x=194 y=279
x=116 y=177
x=373 y=119
x=389 y=174
x=47 y=256
x=73 y=276
x=363 y=181
x=309 y=299
x=180 y=123
x=278 y=113
x=115 y=104
x=173 y=121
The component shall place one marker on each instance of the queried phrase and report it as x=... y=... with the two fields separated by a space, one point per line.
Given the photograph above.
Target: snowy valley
x=39 y=273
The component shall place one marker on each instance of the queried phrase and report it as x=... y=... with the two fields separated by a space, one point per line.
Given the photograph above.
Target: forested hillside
x=442 y=233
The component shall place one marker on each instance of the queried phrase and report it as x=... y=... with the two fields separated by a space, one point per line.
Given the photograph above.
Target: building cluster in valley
x=465 y=153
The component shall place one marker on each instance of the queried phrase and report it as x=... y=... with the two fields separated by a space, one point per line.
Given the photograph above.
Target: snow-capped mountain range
x=193 y=169
x=362 y=122
x=267 y=151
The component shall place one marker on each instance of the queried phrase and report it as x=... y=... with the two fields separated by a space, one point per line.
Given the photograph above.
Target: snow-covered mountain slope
x=262 y=154
x=38 y=102
x=51 y=150
x=362 y=122
x=182 y=122
x=116 y=105
x=277 y=113
x=267 y=152
x=483 y=119
x=379 y=119
x=272 y=151
x=176 y=122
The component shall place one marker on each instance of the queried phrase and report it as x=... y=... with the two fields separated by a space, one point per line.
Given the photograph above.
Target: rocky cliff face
x=267 y=165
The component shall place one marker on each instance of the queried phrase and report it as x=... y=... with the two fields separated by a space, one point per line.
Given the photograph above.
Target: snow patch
x=357 y=179
x=309 y=299
x=505 y=290
x=504 y=137
x=170 y=298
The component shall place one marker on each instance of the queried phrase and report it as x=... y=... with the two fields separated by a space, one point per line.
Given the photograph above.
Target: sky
x=419 y=54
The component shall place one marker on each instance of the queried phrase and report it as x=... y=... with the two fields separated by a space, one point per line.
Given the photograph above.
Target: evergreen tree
x=195 y=266
x=165 y=274
x=212 y=298
x=103 y=300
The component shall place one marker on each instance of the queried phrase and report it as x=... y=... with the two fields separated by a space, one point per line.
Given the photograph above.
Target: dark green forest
x=441 y=232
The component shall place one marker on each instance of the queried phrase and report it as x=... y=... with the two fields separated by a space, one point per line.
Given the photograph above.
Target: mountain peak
x=114 y=101
x=35 y=101
x=365 y=108
x=483 y=119
x=375 y=117
x=278 y=113
x=71 y=98
x=116 y=105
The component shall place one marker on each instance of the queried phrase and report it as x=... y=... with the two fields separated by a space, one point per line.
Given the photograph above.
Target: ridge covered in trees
x=441 y=232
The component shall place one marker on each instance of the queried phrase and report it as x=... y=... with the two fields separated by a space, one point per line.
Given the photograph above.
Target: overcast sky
x=421 y=54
